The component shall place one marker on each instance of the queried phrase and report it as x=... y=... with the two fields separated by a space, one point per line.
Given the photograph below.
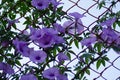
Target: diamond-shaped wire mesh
x=90 y=9
x=92 y=13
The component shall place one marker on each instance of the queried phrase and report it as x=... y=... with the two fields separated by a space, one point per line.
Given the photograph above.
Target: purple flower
x=108 y=22
x=36 y=34
x=28 y=77
x=54 y=35
x=22 y=47
x=118 y=40
x=49 y=31
x=25 y=32
x=59 y=28
x=40 y=4
x=58 y=39
x=51 y=73
x=62 y=57
x=45 y=37
x=46 y=41
x=88 y=41
x=76 y=15
x=55 y=3
x=38 y=56
x=32 y=30
x=5 y=43
x=6 y=68
x=62 y=77
x=74 y=26
x=109 y=35
x=11 y=22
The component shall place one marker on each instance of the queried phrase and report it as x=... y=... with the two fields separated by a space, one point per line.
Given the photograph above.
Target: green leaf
x=103 y=62
x=54 y=51
x=105 y=58
x=72 y=52
x=98 y=46
x=1 y=58
x=118 y=23
x=12 y=15
x=76 y=43
x=87 y=57
x=116 y=48
x=3 y=1
x=71 y=41
x=68 y=54
x=18 y=62
x=114 y=25
x=98 y=63
x=88 y=71
x=101 y=4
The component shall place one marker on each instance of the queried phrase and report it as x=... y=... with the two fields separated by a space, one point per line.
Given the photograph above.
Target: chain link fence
x=94 y=11
x=101 y=66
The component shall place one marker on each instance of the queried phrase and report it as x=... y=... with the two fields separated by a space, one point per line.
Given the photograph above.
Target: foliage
x=29 y=24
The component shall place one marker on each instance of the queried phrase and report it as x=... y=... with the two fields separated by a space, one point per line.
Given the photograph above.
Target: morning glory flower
x=88 y=41
x=6 y=68
x=58 y=40
x=76 y=15
x=109 y=35
x=55 y=3
x=46 y=41
x=62 y=77
x=22 y=47
x=11 y=22
x=45 y=37
x=28 y=77
x=38 y=56
x=118 y=39
x=32 y=30
x=51 y=73
x=40 y=4
x=62 y=57
x=74 y=26
x=50 y=31
x=59 y=28
x=36 y=35
x=108 y=22
x=5 y=43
